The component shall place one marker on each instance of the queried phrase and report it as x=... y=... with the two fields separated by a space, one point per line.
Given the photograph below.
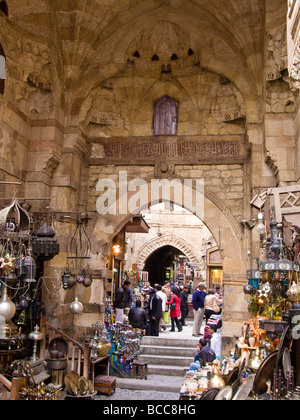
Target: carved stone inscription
x=183 y=149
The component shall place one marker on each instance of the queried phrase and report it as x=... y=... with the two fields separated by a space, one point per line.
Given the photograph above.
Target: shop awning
x=137 y=225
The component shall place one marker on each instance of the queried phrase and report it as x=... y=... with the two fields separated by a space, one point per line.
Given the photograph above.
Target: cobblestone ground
x=134 y=395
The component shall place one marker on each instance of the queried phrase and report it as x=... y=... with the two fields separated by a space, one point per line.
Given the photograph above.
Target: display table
x=194 y=384
x=99 y=366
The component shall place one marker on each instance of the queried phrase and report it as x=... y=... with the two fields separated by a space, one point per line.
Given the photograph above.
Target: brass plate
x=264 y=373
x=74 y=377
x=209 y=395
x=245 y=389
x=83 y=385
x=225 y=394
x=74 y=389
x=91 y=387
x=68 y=382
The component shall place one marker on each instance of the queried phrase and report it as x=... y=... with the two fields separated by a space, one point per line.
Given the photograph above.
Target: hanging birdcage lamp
x=14 y=220
x=79 y=248
x=30 y=268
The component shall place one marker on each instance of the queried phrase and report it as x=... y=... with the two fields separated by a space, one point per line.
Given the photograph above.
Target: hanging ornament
x=76 y=307
x=294 y=293
x=264 y=291
x=7 y=264
x=7 y=307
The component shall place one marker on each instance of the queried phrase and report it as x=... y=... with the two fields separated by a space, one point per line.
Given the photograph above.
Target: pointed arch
x=166 y=240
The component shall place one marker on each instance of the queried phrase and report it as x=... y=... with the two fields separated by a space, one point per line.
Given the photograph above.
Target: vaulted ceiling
x=90 y=41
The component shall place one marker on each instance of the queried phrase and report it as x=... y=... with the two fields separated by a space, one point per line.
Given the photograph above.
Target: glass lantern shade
x=30 y=269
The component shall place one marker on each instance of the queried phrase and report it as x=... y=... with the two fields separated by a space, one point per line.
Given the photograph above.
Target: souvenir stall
x=21 y=279
x=265 y=361
x=138 y=281
x=120 y=342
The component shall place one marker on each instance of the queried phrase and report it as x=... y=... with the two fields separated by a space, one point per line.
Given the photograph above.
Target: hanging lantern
x=7 y=307
x=68 y=280
x=14 y=220
x=254 y=277
x=293 y=293
x=248 y=289
x=76 y=307
x=45 y=246
x=261 y=226
x=30 y=269
x=279 y=270
x=88 y=280
x=80 y=245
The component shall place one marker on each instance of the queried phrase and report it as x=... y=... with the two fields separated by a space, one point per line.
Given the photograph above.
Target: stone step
x=171 y=371
x=170 y=342
x=168 y=351
x=166 y=360
x=158 y=383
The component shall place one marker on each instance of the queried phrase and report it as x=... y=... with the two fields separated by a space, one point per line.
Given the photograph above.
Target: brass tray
x=245 y=389
x=68 y=383
x=91 y=387
x=286 y=361
x=233 y=376
x=264 y=373
x=225 y=394
x=83 y=385
x=74 y=377
x=210 y=394
x=74 y=389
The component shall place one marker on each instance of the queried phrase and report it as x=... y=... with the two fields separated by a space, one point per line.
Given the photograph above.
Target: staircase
x=168 y=356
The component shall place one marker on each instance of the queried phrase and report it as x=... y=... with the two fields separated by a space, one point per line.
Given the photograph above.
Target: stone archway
x=169 y=239
x=229 y=237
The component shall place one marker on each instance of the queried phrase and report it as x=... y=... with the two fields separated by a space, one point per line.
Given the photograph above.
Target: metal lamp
x=30 y=269
x=45 y=246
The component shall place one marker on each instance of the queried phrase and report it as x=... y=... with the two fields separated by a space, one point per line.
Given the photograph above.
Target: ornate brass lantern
x=45 y=246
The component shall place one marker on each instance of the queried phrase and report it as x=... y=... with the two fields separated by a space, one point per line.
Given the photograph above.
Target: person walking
x=175 y=310
x=198 y=306
x=184 y=304
x=155 y=313
x=128 y=300
x=164 y=299
x=167 y=290
x=120 y=300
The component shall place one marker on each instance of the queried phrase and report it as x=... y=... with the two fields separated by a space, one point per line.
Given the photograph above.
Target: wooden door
x=165 y=117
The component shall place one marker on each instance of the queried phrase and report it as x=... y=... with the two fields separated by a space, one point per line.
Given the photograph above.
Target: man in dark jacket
x=119 y=303
x=155 y=313
x=184 y=304
x=138 y=317
x=198 y=305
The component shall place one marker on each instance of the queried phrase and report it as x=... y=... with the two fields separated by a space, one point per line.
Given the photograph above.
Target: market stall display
x=265 y=362
x=119 y=341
